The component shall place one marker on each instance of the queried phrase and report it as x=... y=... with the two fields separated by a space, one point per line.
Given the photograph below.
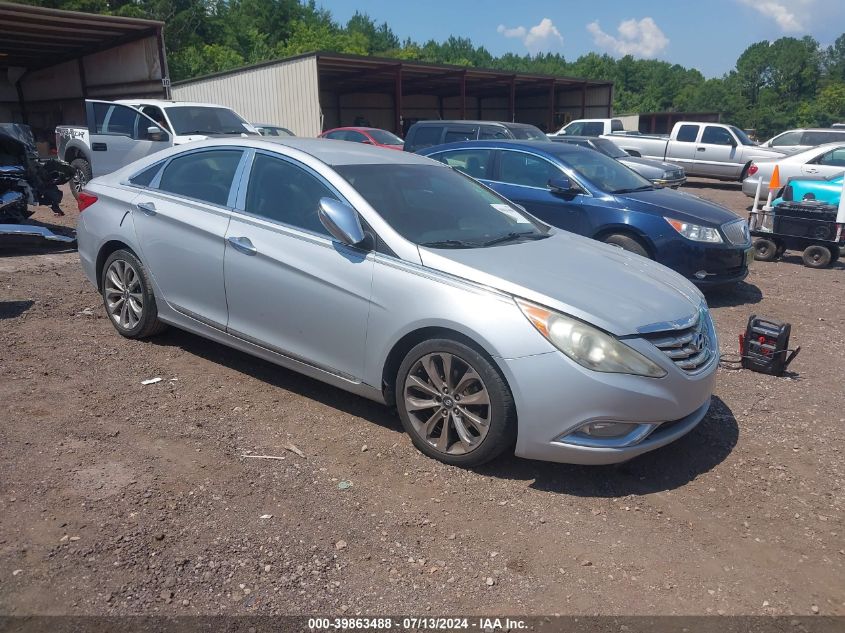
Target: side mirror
x=155 y=133
x=561 y=184
x=341 y=221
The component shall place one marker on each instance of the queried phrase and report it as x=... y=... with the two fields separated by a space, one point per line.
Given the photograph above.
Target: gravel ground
x=119 y=498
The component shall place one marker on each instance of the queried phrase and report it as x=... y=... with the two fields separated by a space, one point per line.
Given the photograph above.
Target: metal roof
x=37 y=37
x=378 y=72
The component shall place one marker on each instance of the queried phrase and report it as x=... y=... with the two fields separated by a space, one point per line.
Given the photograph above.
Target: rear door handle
x=701 y=149
x=147 y=207
x=242 y=244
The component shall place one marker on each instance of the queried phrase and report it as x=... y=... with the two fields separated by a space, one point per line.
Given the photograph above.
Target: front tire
x=765 y=250
x=627 y=243
x=128 y=296
x=455 y=404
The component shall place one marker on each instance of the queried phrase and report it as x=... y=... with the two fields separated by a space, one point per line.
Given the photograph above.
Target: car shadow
x=280 y=377
x=13 y=309
x=743 y=293
x=666 y=468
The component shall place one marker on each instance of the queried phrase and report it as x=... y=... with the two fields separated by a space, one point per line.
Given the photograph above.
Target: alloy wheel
x=124 y=295
x=447 y=403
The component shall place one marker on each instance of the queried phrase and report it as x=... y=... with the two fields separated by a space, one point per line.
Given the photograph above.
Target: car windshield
x=206 y=120
x=528 y=133
x=383 y=137
x=439 y=207
x=742 y=136
x=606 y=173
x=609 y=148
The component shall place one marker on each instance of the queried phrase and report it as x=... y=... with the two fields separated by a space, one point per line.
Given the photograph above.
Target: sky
x=705 y=34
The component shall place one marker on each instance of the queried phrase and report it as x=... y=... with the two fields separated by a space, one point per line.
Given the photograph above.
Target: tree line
x=775 y=85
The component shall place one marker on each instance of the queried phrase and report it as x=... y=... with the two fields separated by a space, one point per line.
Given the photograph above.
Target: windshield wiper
x=200 y=132
x=643 y=188
x=450 y=244
x=514 y=236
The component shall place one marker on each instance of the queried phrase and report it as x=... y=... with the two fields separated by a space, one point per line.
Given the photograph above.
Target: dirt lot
x=121 y=498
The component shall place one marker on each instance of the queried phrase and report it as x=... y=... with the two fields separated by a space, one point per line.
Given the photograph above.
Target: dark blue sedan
x=582 y=191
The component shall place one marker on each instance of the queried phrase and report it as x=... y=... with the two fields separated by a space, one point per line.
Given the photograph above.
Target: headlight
x=695 y=232
x=586 y=345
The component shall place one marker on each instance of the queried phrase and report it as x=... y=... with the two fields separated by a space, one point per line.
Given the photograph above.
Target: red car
x=368 y=135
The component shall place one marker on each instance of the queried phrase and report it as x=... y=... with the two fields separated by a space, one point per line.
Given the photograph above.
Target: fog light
x=607 y=429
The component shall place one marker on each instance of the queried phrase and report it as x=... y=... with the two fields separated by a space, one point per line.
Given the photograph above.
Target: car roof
x=327 y=151
x=549 y=148
x=472 y=122
x=569 y=137
x=164 y=102
x=356 y=128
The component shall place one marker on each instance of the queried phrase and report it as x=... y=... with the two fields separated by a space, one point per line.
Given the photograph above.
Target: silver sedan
x=397 y=278
x=823 y=161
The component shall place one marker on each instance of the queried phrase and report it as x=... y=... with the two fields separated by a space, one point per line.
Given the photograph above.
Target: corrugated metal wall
x=283 y=94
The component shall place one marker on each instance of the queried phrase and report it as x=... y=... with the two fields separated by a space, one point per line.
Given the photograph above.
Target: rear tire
x=627 y=243
x=816 y=257
x=765 y=250
x=81 y=174
x=128 y=296
x=444 y=386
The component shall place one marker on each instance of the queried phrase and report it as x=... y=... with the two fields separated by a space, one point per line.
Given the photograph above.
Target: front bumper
x=555 y=397
x=671 y=183
x=707 y=265
x=749 y=188
x=32 y=235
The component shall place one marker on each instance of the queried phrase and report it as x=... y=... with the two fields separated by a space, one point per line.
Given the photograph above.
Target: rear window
x=425 y=136
x=616 y=126
x=688 y=133
x=456 y=136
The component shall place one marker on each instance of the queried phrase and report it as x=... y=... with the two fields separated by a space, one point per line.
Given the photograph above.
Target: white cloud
x=778 y=11
x=540 y=37
x=641 y=38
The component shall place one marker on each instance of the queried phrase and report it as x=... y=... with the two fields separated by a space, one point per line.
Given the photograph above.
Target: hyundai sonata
x=397 y=278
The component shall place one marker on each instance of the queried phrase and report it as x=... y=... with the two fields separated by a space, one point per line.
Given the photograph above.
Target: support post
x=463 y=95
x=397 y=103
x=81 y=67
x=584 y=100
x=22 y=102
x=551 y=124
x=512 y=100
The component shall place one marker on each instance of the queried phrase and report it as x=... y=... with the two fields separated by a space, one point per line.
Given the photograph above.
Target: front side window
x=594 y=128
x=438 y=207
x=473 y=162
x=205 y=176
x=833 y=158
x=607 y=174
x=820 y=138
x=688 y=133
x=283 y=192
x=716 y=136
x=518 y=168
x=574 y=129
x=156 y=115
x=206 y=120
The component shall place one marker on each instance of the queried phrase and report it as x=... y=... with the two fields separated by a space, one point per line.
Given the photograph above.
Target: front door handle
x=701 y=149
x=147 y=207
x=812 y=170
x=242 y=244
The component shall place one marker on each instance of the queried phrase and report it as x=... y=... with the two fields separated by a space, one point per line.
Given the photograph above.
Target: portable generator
x=765 y=346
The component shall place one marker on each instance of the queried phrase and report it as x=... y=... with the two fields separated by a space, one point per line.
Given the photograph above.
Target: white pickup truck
x=120 y=132
x=590 y=127
x=711 y=150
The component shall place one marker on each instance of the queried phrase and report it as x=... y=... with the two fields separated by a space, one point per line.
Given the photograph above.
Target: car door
x=715 y=153
x=119 y=135
x=181 y=222
x=831 y=163
x=523 y=178
x=290 y=287
x=682 y=149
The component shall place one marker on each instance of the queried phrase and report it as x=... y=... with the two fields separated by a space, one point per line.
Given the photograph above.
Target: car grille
x=691 y=348
x=737 y=232
x=676 y=175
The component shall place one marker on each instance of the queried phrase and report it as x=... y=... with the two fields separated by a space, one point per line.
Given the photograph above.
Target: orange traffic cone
x=774 y=183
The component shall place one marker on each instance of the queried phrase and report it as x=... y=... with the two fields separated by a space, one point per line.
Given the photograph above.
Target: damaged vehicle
x=25 y=179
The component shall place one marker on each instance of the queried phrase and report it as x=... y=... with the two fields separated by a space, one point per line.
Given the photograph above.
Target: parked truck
x=711 y=150
x=119 y=132
x=590 y=127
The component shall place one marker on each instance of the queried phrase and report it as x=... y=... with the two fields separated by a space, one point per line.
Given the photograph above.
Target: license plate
x=749 y=256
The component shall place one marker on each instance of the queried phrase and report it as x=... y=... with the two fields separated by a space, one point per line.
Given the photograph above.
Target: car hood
x=766 y=153
x=657 y=166
x=615 y=290
x=678 y=205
